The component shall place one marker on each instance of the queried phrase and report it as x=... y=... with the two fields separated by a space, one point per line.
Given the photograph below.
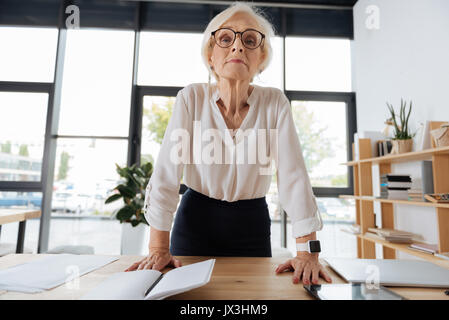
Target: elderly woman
x=224 y=211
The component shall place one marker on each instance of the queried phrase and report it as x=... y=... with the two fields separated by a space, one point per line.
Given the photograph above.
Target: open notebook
x=152 y=284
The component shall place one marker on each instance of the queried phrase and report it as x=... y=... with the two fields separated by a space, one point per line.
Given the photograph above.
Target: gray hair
x=222 y=17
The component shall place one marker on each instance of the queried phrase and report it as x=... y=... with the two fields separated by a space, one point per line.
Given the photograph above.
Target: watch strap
x=303 y=246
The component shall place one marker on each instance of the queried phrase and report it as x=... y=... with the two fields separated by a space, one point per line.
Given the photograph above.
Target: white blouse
x=199 y=147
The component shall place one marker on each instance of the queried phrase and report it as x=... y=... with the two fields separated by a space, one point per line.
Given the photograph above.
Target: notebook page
x=130 y=285
x=182 y=279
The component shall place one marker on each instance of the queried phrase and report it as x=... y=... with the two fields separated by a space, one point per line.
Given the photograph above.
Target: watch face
x=315 y=246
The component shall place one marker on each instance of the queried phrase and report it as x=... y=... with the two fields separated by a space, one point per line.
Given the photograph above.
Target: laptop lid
x=391 y=272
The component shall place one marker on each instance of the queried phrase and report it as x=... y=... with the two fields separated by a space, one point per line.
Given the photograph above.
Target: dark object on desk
x=446 y=292
x=351 y=291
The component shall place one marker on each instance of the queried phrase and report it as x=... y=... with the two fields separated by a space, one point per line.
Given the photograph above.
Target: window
x=96 y=86
x=95 y=104
x=171 y=59
x=85 y=174
x=321 y=128
x=157 y=111
x=22 y=134
x=315 y=64
x=337 y=214
x=273 y=75
x=27 y=54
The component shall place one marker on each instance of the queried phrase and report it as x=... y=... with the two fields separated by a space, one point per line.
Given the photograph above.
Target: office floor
x=105 y=234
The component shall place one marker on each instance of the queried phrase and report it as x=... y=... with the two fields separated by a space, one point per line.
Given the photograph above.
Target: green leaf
x=126 y=191
x=140 y=172
x=134 y=222
x=125 y=213
x=112 y=198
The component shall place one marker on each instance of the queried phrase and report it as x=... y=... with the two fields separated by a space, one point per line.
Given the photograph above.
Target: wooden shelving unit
x=405 y=202
x=364 y=200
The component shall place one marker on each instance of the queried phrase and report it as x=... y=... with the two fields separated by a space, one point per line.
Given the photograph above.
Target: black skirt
x=205 y=226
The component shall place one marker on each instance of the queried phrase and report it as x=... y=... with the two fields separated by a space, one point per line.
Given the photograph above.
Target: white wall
x=408 y=57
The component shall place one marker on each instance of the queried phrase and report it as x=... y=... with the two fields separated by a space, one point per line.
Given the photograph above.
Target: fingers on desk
x=135 y=265
x=283 y=267
x=325 y=275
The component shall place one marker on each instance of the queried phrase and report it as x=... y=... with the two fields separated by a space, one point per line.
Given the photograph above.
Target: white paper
x=50 y=271
x=182 y=279
x=131 y=285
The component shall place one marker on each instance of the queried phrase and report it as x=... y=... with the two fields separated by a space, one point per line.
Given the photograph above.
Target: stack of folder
x=396 y=236
x=395 y=186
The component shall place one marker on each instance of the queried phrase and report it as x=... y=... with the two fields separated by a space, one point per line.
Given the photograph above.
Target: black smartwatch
x=311 y=246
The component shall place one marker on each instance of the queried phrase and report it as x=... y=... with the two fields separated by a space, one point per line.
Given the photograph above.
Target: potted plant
x=132 y=190
x=402 y=139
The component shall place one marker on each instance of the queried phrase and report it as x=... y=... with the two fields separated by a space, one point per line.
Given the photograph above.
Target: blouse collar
x=251 y=98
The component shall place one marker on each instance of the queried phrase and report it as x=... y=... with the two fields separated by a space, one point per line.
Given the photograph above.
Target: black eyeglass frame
x=241 y=37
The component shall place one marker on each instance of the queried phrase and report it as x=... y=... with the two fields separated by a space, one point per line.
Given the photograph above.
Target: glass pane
x=273 y=75
x=22 y=131
x=157 y=112
x=28 y=54
x=337 y=214
x=321 y=128
x=97 y=81
x=85 y=174
x=317 y=64
x=20 y=200
x=170 y=59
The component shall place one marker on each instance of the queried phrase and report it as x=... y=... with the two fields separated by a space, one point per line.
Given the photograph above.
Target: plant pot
x=134 y=239
x=401 y=146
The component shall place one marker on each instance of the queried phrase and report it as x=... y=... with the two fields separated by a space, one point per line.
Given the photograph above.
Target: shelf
x=404 y=248
x=409 y=156
x=405 y=202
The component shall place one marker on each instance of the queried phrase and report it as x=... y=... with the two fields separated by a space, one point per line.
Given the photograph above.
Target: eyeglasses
x=225 y=37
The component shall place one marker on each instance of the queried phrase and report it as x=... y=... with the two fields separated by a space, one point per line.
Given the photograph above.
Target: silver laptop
x=391 y=272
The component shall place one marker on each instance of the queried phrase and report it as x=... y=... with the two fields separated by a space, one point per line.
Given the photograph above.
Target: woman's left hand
x=305 y=266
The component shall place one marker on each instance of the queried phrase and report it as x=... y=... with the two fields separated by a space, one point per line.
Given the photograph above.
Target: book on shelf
x=392 y=239
x=399 y=185
x=353 y=229
x=391 y=235
x=394 y=186
x=397 y=195
x=383 y=147
x=424 y=247
x=397 y=177
x=390 y=232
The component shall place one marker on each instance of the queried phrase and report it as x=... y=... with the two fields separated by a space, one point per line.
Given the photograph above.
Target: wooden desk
x=232 y=278
x=21 y=216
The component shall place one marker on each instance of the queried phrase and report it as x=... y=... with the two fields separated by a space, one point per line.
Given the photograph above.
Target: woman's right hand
x=156 y=260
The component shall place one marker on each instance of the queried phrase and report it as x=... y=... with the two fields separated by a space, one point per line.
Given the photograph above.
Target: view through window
x=94 y=123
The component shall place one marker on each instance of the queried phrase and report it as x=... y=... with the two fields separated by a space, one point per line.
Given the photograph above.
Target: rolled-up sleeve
x=295 y=190
x=162 y=191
